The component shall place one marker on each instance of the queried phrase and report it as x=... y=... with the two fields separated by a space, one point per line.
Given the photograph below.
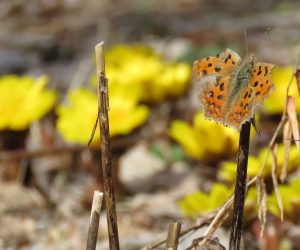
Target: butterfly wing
x=241 y=109
x=213 y=92
x=261 y=82
x=213 y=74
x=259 y=88
x=221 y=64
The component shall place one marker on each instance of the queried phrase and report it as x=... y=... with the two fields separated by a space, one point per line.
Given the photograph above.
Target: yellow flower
x=146 y=73
x=281 y=77
x=228 y=169
x=76 y=120
x=23 y=100
x=199 y=203
x=290 y=200
x=204 y=139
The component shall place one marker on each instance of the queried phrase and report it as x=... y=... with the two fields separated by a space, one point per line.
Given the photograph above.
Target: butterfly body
x=241 y=77
x=229 y=88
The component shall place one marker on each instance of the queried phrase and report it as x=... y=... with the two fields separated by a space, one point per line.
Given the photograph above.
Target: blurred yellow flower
x=199 y=203
x=290 y=200
x=76 y=120
x=146 y=73
x=23 y=100
x=204 y=139
x=281 y=77
x=228 y=169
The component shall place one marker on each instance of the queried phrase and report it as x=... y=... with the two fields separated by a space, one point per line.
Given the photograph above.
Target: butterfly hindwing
x=241 y=109
x=213 y=92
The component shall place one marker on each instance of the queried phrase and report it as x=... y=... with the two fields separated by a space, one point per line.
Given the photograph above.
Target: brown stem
x=173 y=235
x=240 y=188
x=109 y=193
x=94 y=221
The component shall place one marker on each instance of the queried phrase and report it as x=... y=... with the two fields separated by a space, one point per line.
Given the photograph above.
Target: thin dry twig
x=117 y=143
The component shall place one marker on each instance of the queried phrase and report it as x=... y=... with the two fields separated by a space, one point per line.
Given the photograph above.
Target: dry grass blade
x=262 y=203
x=297 y=75
x=287 y=139
x=274 y=178
x=292 y=114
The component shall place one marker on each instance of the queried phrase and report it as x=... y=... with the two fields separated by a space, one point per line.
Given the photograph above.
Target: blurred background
x=169 y=162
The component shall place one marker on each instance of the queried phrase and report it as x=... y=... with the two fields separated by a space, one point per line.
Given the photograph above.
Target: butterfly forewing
x=261 y=81
x=221 y=64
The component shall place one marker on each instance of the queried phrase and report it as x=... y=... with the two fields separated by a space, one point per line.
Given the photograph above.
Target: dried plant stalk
x=94 y=221
x=109 y=193
x=173 y=235
x=240 y=188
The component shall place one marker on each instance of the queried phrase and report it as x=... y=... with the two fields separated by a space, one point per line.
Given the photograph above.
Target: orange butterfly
x=229 y=88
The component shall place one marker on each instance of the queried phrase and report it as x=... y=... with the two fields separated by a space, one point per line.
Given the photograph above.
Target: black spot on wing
x=266 y=70
x=250 y=93
x=217 y=69
x=222 y=86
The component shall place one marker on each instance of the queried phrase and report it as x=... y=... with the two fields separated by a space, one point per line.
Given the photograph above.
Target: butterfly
x=231 y=89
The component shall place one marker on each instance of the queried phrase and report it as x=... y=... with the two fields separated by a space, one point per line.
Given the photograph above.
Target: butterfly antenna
x=246 y=42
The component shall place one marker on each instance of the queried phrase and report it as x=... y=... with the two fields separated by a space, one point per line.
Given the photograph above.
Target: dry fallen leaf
x=274 y=178
x=292 y=114
x=297 y=75
x=262 y=203
x=287 y=139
